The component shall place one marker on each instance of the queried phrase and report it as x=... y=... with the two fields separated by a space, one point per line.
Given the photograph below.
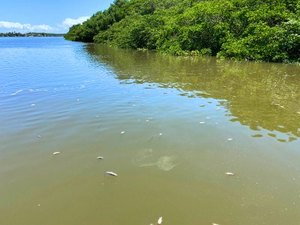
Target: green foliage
x=267 y=30
x=141 y=32
x=30 y=34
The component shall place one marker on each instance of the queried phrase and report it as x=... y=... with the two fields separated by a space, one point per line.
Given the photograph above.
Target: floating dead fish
x=17 y=92
x=230 y=174
x=99 y=157
x=215 y=224
x=159 y=221
x=56 y=153
x=111 y=173
x=229 y=139
x=160 y=134
x=122 y=132
x=202 y=122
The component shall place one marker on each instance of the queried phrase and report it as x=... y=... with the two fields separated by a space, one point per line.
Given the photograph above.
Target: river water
x=172 y=128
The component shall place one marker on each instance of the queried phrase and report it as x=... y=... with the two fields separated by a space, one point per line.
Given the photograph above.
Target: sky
x=52 y=16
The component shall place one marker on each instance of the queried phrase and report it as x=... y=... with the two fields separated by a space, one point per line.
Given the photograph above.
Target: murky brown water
x=170 y=127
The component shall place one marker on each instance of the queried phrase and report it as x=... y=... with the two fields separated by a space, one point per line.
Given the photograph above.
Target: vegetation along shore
x=30 y=34
x=264 y=30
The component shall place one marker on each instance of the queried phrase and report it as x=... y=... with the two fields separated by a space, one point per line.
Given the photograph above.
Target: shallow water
x=170 y=127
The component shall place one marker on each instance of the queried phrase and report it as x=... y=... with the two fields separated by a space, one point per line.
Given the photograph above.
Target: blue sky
x=46 y=15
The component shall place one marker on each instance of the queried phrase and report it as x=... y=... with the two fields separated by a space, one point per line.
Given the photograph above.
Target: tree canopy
x=265 y=30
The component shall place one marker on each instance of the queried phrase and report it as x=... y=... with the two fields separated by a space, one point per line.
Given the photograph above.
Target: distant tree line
x=264 y=30
x=30 y=34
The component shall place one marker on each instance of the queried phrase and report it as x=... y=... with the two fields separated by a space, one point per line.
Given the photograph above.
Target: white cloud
x=24 y=27
x=6 y=26
x=68 y=22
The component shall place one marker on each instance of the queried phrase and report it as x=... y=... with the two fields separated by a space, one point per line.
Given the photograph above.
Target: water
x=170 y=127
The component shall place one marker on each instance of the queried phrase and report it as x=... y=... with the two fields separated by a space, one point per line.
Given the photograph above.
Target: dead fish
x=229 y=174
x=122 y=132
x=229 y=139
x=215 y=224
x=56 y=153
x=159 y=221
x=17 y=92
x=111 y=173
x=99 y=157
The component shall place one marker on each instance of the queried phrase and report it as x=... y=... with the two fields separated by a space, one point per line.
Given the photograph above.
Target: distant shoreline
x=30 y=34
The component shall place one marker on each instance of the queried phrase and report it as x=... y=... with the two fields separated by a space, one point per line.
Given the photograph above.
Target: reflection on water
x=145 y=158
x=257 y=95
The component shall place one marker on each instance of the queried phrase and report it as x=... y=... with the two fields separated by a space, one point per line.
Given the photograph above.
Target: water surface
x=170 y=127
